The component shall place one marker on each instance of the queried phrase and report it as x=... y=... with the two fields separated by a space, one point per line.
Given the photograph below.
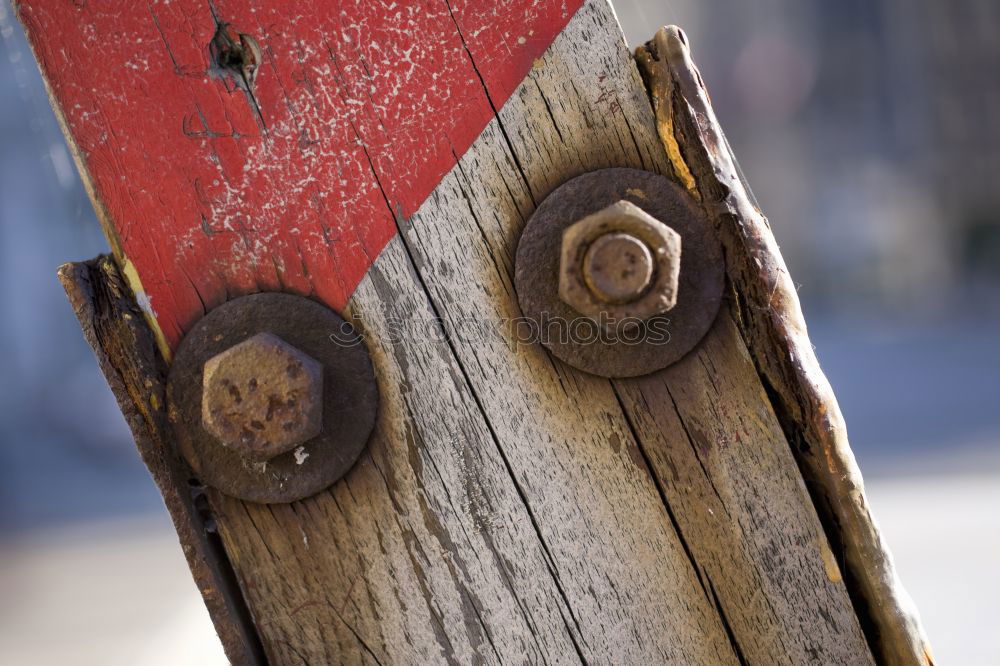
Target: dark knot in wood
x=235 y=56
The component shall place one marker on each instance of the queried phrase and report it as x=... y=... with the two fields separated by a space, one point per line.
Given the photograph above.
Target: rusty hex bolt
x=621 y=263
x=262 y=397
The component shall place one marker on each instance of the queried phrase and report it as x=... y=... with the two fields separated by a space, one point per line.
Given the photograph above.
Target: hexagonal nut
x=636 y=238
x=262 y=397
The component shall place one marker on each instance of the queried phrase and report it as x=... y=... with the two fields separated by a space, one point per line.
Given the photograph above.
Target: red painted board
x=356 y=111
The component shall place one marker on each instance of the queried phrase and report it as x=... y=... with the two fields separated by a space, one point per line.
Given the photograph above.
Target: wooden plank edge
x=128 y=355
x=767 y=310
x=100 y=210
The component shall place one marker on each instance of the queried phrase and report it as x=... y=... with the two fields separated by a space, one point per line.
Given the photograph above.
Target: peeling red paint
x=356 y=112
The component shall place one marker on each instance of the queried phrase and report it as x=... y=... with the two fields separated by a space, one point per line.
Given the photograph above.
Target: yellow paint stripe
x=135 y=284
x=665 y=128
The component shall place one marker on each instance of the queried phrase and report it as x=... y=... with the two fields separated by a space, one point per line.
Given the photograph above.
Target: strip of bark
x=766 y=307
x=127 y=353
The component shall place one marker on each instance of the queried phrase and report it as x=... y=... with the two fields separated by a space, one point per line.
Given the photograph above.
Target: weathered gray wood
x=731 y=482
x=465 y=548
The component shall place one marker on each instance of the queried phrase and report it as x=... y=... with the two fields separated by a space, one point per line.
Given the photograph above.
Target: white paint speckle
x=145 y=303
x=300 y=455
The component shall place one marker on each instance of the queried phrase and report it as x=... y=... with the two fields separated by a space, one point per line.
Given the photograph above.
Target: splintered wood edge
x=127 y=353
x=767 y=311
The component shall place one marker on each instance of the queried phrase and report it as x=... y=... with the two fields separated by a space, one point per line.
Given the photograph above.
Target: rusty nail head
x=621 y=263
x=262 y=397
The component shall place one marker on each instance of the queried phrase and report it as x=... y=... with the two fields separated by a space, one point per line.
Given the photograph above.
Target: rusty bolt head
x=617 y=267
x=620 y=262
x=262 y=397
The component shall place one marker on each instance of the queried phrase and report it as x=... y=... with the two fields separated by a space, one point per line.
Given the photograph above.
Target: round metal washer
x=350 y=398
x=581 y=342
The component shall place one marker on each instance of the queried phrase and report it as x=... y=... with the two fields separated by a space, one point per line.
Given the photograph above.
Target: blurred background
x=870 y=132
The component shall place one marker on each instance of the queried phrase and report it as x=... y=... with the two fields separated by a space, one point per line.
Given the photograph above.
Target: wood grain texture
x=766 y=308
x=511 y=509
x=452 y=548
x=731 y=483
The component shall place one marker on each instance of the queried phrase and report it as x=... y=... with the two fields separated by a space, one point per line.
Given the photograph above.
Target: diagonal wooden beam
x=383 y=158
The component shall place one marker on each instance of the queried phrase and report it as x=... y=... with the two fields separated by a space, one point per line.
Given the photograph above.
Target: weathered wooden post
x=690 y=500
